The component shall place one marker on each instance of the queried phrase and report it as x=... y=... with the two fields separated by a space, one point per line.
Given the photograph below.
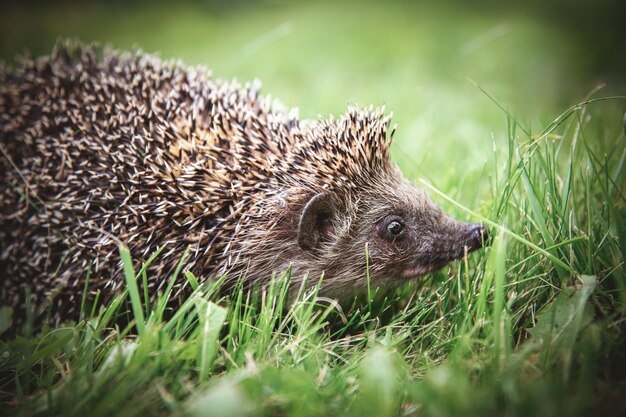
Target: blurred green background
x=416 y=58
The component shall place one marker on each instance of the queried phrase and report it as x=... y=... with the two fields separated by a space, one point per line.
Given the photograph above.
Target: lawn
x=507 y=115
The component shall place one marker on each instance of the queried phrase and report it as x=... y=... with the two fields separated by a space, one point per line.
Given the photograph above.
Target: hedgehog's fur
x=101 y=148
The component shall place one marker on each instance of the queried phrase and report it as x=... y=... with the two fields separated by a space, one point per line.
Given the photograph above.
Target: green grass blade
x=133 y=290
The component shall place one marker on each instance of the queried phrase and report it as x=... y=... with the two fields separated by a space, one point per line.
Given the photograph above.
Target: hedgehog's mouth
x=432 y=266
x=416 y=271
x=423 y=269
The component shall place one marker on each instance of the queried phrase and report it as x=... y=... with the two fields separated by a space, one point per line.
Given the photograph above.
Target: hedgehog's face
x=410 y=236
x=407 y=235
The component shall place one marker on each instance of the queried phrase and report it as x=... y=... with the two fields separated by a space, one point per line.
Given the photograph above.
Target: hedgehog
x=102 y=147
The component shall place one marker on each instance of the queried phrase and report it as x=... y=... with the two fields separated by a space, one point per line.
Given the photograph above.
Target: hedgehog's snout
x=478 y=236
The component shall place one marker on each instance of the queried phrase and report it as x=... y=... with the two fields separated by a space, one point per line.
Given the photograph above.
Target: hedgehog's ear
x=315 y=222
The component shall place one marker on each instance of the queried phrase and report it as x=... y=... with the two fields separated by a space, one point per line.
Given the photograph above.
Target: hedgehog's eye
x=394 y=228
x=391 y=228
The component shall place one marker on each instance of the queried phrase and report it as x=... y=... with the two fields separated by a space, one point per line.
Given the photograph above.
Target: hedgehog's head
x=407 y=235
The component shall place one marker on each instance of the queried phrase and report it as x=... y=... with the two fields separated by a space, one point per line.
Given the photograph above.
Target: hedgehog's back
x=101 y=149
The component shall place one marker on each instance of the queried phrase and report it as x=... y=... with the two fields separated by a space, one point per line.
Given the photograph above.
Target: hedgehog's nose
x=479 y=236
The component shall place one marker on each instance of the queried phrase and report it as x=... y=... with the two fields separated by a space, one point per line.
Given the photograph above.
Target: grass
x=534 y=325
